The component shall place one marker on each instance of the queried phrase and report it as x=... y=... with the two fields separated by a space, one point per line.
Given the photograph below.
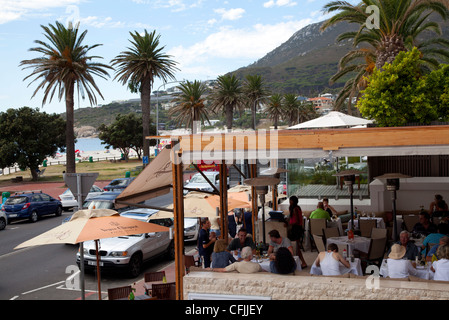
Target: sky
x=207 y=38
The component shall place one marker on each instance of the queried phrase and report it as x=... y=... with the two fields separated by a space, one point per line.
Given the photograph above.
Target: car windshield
x=119 y=183
x=16 y=200
x=200 y=179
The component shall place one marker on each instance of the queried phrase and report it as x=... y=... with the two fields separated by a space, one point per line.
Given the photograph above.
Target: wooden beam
x=223 y=172
x=178 y=221
x=255 y=211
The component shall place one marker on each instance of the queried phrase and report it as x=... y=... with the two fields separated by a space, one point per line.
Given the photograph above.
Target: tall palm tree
x=400 y=25
x=139 y=67
x=190 y=104
x=291 y=107
x=306 y=112
x=275 y=108
x=227 y=96
x=255 y=91
x=65 y=64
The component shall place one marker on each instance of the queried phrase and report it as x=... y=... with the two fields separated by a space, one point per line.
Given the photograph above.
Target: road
x=40 y=273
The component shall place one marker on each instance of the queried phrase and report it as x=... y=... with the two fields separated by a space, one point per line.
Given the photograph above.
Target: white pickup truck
x=200 y=184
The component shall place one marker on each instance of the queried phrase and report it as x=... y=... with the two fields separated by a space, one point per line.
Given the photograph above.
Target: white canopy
x=333 y=119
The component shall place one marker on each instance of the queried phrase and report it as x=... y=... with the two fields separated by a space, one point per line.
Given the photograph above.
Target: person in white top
x=397 y=266
x=441 y=267
x=331 y=261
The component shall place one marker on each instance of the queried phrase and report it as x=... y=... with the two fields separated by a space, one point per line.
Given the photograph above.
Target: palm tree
x=275 y=108
x=65 y=64
x=306 y=112
x=291 y=107
x=255 y=90
x=139 y=67
x=227 y=96
x=190 y=104
x=400 y=25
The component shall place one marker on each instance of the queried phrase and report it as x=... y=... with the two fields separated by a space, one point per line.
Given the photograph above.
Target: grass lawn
x=107 y=171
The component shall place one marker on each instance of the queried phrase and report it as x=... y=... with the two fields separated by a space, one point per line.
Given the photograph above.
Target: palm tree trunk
x=145 y=101
x=253 y=115
x=229 y=117
x=70 y=134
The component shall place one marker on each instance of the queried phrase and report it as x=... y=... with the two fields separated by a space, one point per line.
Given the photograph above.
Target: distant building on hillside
x=322 y=103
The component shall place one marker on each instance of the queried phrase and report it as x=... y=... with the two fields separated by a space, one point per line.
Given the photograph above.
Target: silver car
x=199 y=183
x=129 y=252
x=68 y=199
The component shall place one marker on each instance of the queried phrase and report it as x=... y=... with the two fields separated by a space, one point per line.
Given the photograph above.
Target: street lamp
x=261 y=184
x=392 y=186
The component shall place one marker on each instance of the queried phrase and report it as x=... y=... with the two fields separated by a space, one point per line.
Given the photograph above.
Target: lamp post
x=261 y=184
x=392 y=180
x=349 y=179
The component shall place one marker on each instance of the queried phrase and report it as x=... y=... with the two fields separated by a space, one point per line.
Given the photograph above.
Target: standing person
x=206 y=242
x=296 y=230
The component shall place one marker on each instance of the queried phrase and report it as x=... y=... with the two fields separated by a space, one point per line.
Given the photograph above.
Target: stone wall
x=306 y=287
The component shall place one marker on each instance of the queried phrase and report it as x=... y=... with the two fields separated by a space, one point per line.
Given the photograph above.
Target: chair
x=164 y=291
x=366 y=226
x=152 y=277
x=317 y=226
x=410 y=221
x=329 y=233
x=374 y=255
x=342 y=247
x=319 y=242
x=119 y=293
x=189 y=261
x=378 y=233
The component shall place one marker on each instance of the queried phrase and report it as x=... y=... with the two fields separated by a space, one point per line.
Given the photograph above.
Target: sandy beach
x=85 y=155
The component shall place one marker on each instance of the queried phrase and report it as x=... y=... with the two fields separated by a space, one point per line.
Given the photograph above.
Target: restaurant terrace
x=165 y=174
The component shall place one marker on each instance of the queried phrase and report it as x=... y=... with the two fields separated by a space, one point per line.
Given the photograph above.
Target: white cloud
x=231 y=14
x=11 y=10
x=238 y=44
x=279 y=3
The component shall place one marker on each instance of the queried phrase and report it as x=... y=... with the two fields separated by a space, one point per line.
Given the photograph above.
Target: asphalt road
x=40 y=273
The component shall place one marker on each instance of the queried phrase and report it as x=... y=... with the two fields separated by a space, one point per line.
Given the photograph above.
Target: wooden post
x=178 y=221
x=255 y=211
x=223 y=200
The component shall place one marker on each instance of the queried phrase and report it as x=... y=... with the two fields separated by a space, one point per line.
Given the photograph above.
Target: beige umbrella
x=93 y=224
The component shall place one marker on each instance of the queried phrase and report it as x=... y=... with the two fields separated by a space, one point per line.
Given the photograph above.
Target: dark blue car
x=118 y=185
x=31 y=206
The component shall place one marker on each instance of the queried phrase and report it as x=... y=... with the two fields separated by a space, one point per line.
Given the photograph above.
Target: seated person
x=330 y=261
x=433 y=204
x=328 y=207
x=398 y=267
x=278 y=242
x=220 y=257
x=443 y=230
x=241 y=241
x=441 y=267
x=411 y=250
x=440 y=209
x=244 y=266
x=444 y=241
x=284 y=263
x=424 y=226
x=320 y=213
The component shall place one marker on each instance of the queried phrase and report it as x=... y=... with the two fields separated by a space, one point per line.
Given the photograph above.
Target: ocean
x=89 y=144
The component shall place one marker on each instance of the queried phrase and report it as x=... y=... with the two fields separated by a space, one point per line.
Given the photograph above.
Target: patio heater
x=274 y=172
x=392 y=180
x=349 y=180
x=261 y=184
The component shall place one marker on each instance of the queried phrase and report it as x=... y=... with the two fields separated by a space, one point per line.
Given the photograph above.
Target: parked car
x=3 y=220
x=129 y=252
x=199 y=183
x=103 y=201
x=31 y=206
x=119 y=184
x=191 y=229
x=68 y=199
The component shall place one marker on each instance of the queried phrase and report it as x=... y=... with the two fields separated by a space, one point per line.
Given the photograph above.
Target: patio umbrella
x=93 y=224
x=333 y=119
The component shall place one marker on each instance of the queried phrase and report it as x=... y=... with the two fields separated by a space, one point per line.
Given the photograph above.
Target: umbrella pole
x=83 y=290
x=98 y=270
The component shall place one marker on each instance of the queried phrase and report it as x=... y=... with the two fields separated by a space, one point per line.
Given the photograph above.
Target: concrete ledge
x=306 y=287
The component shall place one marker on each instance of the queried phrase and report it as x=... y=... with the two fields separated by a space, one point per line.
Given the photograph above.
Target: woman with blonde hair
x=220 y=257
x=441 y=267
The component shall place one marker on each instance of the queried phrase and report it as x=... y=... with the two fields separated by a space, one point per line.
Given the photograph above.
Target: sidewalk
x=169 y=274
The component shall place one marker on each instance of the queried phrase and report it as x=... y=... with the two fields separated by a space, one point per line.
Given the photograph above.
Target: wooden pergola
x=226 y=148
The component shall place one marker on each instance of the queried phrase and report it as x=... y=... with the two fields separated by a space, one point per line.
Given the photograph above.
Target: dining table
x=355 y=268
x=139 y=297
x=359 y=243
x=422 y=272
x=380 y=223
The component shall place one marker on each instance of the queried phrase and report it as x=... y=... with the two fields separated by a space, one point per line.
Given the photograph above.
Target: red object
x=26 y=206
x=350 y=235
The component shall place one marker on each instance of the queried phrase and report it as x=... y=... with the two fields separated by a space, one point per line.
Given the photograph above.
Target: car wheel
x=135 y=265
x=33 y=216
x=171 y=251
x=2 y=224
x=58 y=211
